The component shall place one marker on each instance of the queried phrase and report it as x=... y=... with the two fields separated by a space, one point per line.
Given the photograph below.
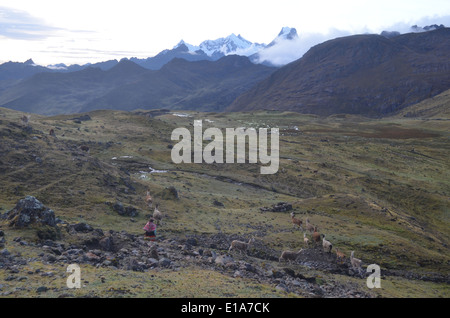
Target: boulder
x=42 y=289
x=169 y=193
x=164 y=262
x=81 y=227
x=30 y=211
x=107 y=244
x=279 y=207
x=152 y=262
x=125 y=211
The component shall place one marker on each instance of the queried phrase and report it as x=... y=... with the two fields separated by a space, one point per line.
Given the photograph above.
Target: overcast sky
x=63 y=31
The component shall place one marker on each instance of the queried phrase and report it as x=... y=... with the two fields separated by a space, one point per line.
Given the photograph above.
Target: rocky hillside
x=73 y=191
x=62 y=244
x=362 y=74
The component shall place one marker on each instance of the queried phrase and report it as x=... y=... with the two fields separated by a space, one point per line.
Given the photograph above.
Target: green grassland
x=378 y=187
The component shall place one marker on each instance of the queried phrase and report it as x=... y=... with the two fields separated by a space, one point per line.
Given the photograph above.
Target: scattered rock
x=81 y=227
x=125 y=211
x=224 y=260
x=107 y=243
x=165 y=262
x=82 y=118
x=153 y=252
x=169 y=193
x=42 y=289
x=279 y=207
x=49 y=258
x=152 y=262
x=4 y=252
x=10 y=278
x=84 y=148
x=191 y=241
x=282 y=287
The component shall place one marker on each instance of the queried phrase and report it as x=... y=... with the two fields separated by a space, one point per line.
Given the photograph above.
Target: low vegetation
x=376 y=187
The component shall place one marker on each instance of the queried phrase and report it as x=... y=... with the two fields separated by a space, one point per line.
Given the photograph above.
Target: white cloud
x=18 y=24
x=405 y=27
x=148 y=27
x=285 y=51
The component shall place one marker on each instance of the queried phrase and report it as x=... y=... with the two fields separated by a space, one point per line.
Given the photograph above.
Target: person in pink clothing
x=150 y=229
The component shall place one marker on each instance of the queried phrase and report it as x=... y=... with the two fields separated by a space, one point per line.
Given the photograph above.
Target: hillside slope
x=361 y=74
x=435 y=107
x=64 y=93
x=376 y=187
x=200 y=85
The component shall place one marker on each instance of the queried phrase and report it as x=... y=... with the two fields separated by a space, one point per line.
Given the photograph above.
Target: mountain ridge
x=179 y=84
x=361 y=74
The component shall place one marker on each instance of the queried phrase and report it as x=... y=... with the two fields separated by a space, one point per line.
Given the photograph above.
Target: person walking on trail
x=150 y=230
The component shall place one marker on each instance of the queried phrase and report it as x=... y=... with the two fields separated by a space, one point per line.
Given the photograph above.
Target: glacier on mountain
x=232 y=44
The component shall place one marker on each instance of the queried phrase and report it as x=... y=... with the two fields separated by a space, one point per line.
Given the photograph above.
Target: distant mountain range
x=180 y=84
x=372 y=75
x=209 y=50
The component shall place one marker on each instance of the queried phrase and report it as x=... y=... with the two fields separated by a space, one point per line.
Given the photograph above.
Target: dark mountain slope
x=202 y=85
x=12 y=72
x=57 y=93
x=436 y=42
x=363 y=74
x=164 y=57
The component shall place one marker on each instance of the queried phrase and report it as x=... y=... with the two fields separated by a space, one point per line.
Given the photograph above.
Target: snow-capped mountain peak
x=288 y=33
x=191 y=48
x=229 y=45
x=232 y=44
x=30 y=62
x=236 y=44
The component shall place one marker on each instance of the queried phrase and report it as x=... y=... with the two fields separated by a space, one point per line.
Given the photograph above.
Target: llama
x=327 y=246
x=296 y=221
x=309 y=226
x=290 y=256
x=340 y=256
x=157 y=215
x=241 y=246
x=305 y=239
x=316 y=235
x=356 y=263
x=24 y=120
x=148 y=199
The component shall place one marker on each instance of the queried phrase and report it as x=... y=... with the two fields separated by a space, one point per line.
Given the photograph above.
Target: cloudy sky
x=65 y=31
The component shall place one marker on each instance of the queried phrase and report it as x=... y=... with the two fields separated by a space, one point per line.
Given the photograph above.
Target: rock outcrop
x=30 y=211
